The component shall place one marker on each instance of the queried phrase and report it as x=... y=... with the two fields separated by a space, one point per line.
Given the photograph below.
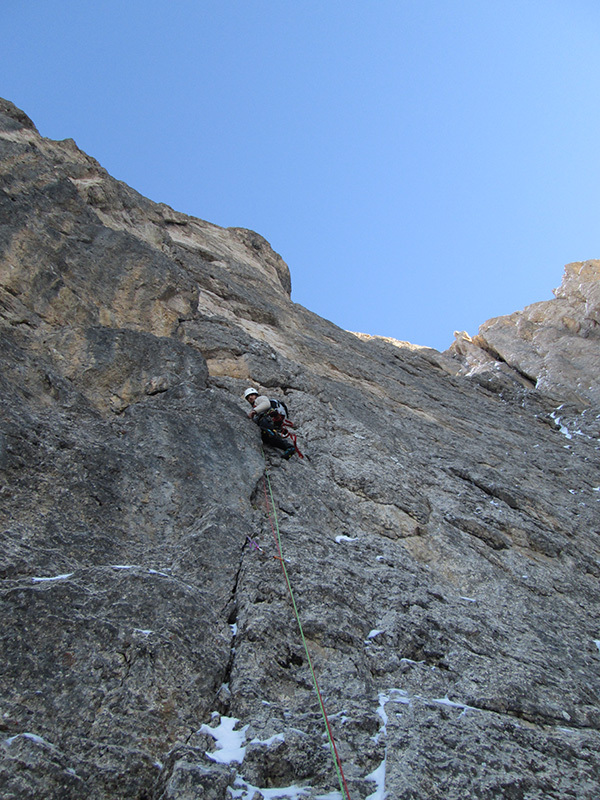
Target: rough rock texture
x=553 y=345
x=441 y=536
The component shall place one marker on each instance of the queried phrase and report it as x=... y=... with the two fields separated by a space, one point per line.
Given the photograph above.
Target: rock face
x=553 y=345
x=441 y=535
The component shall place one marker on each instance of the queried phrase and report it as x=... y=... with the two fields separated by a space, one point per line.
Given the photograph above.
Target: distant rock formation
x=441 y=534
x=553 y=345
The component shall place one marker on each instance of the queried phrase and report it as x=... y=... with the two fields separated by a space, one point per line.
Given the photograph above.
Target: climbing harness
x=275 y=528
x=282 y=425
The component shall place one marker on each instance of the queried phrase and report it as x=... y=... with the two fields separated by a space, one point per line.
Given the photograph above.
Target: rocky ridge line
x=553 y=345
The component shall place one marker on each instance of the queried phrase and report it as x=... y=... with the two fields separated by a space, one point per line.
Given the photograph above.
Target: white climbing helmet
x=250 y=391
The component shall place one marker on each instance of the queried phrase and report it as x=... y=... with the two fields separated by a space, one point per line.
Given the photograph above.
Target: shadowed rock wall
x=441 y=535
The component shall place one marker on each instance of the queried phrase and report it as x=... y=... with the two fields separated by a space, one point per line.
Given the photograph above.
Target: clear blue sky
x=421 y=165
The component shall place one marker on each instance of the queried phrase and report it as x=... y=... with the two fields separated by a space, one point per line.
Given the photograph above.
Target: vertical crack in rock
x=224 y=695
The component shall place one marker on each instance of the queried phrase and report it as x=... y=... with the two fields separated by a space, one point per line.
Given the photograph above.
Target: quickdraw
x=254 y=545
x=256 y=548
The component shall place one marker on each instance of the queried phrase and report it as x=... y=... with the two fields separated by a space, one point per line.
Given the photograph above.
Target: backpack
x=279 y=415
x=278 y=409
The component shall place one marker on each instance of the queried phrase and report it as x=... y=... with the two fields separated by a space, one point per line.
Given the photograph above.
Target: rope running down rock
x=275 y=528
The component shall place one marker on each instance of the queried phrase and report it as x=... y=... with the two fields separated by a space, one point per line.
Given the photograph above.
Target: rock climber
x=269 y=416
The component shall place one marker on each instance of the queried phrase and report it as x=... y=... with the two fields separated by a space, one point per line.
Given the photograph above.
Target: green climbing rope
x=276 y=533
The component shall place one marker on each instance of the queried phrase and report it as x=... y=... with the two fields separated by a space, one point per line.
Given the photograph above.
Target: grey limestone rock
x=554 y=344
x=441 y=534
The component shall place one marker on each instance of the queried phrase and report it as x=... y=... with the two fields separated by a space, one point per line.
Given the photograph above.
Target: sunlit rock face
x=440 y=534
x=554 y=344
